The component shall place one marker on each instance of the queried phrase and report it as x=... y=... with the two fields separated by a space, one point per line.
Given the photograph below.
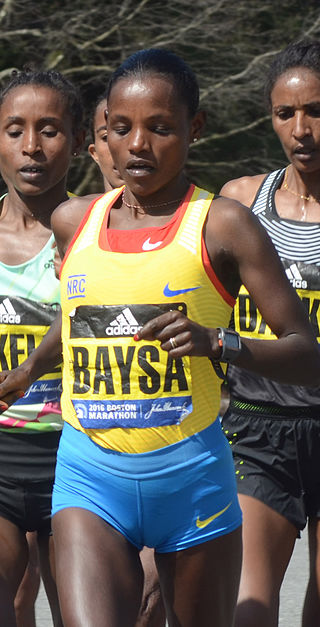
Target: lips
x=303 y=150
x=32 y=173
x=304 y=153
x=33 y=169
x=138 y=167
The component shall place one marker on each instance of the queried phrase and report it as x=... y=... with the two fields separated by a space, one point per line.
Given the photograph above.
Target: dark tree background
x=228 y=43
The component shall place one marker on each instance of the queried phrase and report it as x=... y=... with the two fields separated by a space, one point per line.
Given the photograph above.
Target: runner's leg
x=13 y=563
x=24 y=603
x=46 y=552
x=311 y=610
x=152 y=612
x=99 y=573
x=200 y=584
x=268 y=543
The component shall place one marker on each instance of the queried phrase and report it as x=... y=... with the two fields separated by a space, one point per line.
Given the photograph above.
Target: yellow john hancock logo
x=203 y=523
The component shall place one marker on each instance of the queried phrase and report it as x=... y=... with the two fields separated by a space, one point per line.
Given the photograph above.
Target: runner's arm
x=42 y=360
x=65 y=220
x=241 y=252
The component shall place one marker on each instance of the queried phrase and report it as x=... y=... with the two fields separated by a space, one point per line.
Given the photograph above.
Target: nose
x=31 y=142
x=138 y=140
x=301 y=126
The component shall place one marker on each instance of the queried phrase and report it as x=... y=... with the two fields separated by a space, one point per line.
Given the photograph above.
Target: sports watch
x=230 y=343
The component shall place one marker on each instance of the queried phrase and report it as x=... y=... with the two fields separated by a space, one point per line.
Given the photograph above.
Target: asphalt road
x=294 y=585
x=43 y=615
x=291 y=596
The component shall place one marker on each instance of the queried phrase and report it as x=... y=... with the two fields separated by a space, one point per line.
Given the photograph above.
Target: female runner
x=147 y=288
x=40 y=116
x=151 y=612
x=99 y=150
x=274 y=429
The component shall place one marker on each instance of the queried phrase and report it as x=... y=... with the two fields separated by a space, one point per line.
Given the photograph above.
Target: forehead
x=33 y=101
x=151 y=92
x=299 y=84
x=99 y=115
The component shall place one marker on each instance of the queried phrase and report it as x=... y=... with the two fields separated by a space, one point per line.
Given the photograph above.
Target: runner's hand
x=181 y=336
x=13 y=384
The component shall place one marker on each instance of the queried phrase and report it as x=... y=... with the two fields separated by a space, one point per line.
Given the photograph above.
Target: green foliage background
x=229 y=44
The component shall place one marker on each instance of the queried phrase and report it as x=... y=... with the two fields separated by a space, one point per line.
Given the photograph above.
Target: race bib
x=117 y=382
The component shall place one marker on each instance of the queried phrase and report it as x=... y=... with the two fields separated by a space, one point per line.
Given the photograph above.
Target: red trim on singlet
x=123 y=241
x=213 y=277
x=79 y=228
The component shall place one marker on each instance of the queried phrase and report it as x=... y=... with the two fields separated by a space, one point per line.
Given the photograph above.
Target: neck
x=107 y=185
x=162 y=202
x=37 y=208
x=305 y=185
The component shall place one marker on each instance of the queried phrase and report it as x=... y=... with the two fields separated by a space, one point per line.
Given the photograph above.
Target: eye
x=14 y=133
x=104 y=137
x=121 y=130
x=49 y=132
x=14 y=130
x=313 y=110
x=284 y=113
x=161 y=130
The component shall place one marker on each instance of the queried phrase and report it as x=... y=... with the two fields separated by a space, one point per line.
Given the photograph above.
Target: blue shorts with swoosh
x=169 y=499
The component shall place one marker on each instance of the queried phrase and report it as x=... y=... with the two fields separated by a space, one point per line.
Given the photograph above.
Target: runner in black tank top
x=274 y=429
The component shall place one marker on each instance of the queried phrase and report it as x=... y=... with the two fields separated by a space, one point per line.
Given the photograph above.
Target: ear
x=197 y=125
x=78 y=141
x=92 y=153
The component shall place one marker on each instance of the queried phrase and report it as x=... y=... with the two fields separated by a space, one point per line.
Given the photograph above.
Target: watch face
x=232 y=341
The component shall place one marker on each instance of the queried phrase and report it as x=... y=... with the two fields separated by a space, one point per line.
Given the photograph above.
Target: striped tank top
x=298 y=246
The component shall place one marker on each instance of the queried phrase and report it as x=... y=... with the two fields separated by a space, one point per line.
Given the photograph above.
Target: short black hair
x=165 y=63
x=304 y=53
x=93 y=115
x=53 y=80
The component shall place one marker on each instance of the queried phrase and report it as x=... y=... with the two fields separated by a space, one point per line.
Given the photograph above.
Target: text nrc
x=76 y=286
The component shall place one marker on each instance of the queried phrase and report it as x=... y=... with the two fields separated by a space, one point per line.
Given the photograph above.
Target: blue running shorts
x=169 y=499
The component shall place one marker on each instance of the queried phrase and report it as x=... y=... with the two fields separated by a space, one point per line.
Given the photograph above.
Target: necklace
x=302 y=196
x=160 y=204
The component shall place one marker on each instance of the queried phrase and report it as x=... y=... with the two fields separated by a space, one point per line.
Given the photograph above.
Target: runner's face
x=100 y=150
x=149 y=131
x=36 y=140
x=295 y=101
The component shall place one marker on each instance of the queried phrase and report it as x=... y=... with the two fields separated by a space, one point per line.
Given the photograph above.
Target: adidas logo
x=8 y=315
x=295 y=277
x=124 y=324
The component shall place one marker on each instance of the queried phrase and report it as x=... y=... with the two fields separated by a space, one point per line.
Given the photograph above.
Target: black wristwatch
x=230 y=343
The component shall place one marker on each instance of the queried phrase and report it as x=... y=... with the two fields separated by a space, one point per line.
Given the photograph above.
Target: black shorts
x=277 y=457
x=27 y=467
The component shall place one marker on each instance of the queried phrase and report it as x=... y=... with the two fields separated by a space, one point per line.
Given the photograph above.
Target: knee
x=28 y=589
x=152 y=612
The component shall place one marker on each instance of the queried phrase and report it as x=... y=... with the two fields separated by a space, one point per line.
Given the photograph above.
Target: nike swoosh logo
x=147 y=245
x=203 y=523
x=168 y=292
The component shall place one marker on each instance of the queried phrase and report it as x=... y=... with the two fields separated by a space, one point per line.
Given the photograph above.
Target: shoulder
x=243 y=189
x=234 y=238
x=231 y=224
x=66 y=218
x=73 y=209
